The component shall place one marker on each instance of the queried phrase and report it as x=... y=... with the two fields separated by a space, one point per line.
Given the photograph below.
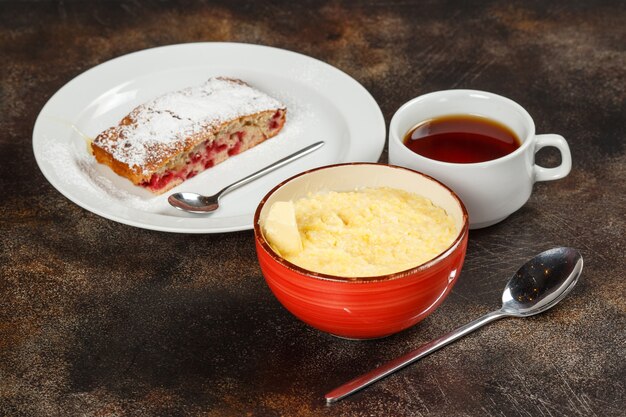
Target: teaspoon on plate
x=197 y=203
x=536 y=287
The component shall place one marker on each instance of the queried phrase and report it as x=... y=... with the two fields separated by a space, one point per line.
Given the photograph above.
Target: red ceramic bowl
x=362 y=307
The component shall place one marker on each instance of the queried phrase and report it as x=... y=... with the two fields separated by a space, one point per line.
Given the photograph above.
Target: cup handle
x=549 y=174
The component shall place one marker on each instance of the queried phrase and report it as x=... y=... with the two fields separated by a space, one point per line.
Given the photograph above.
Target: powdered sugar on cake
x=169 y=123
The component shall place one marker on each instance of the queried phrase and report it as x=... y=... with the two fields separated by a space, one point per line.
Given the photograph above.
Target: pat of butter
x=281 y=229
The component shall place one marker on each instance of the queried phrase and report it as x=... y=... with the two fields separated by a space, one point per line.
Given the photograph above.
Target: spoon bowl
x=537 y=286
x=195 y=203
x=542 y=282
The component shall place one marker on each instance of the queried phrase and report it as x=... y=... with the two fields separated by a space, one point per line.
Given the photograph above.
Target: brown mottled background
x=102 y=319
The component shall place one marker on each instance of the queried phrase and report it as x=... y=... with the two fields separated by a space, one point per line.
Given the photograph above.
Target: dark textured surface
x=99 y=318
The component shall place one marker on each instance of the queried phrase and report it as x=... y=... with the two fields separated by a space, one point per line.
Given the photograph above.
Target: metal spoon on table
x=536 y=287
x=197 y=203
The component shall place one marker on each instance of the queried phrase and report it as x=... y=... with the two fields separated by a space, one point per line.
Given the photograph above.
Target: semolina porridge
x=365 y=232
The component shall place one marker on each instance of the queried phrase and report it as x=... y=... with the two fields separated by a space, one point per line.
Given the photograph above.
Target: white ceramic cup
x=490 y=190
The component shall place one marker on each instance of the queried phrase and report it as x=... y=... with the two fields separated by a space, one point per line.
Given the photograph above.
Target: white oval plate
x=323 y=103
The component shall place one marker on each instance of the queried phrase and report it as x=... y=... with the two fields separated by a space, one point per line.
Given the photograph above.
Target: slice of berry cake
x=172 y=138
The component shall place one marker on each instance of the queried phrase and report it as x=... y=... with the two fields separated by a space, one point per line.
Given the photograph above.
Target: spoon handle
x=410 y=357
x=272 y=167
